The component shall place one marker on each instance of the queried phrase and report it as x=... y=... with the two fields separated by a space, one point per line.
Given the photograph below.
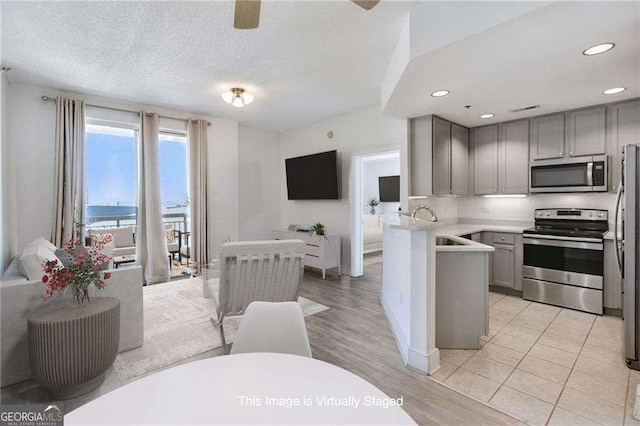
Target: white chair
x=268 y=271
x=273 y=327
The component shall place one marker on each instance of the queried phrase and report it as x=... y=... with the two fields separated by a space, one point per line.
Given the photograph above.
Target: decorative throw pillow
x=34 y=255
x=102 y=240
x=123 y=237
x=168 y=231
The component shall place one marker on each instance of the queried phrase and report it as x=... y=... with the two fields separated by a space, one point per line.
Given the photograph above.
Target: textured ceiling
x=307 y=61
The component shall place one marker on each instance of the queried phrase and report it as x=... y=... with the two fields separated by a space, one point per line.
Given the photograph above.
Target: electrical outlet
x=485 y=209
x=401 y=297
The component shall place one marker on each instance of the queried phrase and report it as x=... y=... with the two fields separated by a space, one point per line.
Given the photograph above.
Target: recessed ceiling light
x=614 y=90
x=598 y=49
x=440 y=93
x=487 y=116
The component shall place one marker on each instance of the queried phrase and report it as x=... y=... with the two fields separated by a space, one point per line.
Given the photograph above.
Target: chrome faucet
x=434 y=216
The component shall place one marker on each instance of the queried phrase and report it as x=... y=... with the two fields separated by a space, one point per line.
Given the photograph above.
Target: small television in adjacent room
x=389 y=187
x=313 y=177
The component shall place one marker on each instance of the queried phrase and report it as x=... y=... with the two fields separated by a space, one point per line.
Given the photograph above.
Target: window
x=174 y=180
x=111 y=180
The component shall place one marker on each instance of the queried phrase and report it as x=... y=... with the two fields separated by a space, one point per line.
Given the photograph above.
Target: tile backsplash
x=517 y=211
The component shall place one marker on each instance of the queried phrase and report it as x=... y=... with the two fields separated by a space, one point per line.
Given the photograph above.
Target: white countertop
x=407 y=222
x=451 y=231
x=455 y=231
x=464 y=229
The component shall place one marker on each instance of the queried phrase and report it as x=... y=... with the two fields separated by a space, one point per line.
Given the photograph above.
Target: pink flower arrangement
x=78 y=268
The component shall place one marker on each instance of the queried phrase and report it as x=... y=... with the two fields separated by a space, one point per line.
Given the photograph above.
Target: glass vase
x=78 y=297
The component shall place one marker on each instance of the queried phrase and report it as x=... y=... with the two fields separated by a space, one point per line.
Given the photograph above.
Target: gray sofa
x=19 y=297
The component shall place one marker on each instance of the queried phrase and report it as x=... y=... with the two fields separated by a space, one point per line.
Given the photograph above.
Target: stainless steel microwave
x=581 y=174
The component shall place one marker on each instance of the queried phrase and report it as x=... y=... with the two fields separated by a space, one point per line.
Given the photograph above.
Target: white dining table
x=254 y=388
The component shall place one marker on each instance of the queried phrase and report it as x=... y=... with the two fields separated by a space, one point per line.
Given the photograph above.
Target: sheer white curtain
x=69 y=168
x=151 y=245
x=198 y=191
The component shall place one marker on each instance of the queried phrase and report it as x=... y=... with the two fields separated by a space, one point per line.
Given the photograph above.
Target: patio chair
x=268 y=271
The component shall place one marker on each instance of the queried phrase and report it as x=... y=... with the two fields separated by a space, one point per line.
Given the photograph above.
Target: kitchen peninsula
x=416 y=261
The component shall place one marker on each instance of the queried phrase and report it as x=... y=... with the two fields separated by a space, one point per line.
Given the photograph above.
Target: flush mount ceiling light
x=614 y=90
x=440 y=93
x=598 y=49
x=237 y=97
x=487 y=116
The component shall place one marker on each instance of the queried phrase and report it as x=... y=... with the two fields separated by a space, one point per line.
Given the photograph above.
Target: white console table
x=323 y=251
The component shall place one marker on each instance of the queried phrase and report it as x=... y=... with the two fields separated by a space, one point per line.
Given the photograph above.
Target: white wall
x=259 y=173
x=372 y=169
x=521 y=209
x=363 y=131
x=7 y=182
x=31 y=142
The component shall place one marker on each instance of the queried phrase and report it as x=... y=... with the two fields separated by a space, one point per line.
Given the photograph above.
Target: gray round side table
x=71 y=348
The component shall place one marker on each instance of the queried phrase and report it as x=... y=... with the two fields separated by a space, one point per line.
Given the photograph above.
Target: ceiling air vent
x=526 y=108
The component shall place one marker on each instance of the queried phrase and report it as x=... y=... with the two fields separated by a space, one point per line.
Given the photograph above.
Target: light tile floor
x=546 y=365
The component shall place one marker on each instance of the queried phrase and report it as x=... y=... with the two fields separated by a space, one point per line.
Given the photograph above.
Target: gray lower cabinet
x=585 y=131
x=485 y=160
x=507 y=259
x=547 y=137
x=612 y=281
x=623 y=128
x=513 y=161
x=503 y=265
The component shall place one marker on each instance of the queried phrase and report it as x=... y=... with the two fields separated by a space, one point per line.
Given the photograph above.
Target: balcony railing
x=178 y=220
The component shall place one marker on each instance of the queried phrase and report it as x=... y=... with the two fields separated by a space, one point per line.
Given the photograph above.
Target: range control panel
x=572 y=214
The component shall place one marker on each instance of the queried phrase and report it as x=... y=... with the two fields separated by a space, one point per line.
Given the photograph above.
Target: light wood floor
x=354 y=334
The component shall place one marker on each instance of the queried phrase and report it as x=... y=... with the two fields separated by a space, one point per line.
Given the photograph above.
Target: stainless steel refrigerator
x=628 y=251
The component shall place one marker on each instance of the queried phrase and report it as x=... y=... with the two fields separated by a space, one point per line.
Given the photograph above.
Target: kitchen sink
x=445 y=241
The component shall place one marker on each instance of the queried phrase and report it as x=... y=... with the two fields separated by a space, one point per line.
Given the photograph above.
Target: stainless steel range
x=564 y=258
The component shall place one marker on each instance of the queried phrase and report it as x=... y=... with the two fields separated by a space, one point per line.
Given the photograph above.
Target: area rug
x=177 y=326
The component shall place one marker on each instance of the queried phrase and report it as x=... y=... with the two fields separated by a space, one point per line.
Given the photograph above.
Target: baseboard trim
x=613 y=312
x=401 y=339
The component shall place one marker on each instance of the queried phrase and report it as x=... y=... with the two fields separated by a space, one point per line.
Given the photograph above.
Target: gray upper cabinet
x=441 y=157
x=485 y=160
x=420 y=156
x=513 y=163
x=547 y=137
x=585 y=132
x=623 y=128
x=459 y=160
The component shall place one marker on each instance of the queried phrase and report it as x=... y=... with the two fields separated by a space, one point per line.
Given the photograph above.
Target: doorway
x=376 y=194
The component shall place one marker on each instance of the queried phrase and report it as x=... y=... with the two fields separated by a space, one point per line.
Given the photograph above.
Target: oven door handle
x=563 y=243
x=556 y=237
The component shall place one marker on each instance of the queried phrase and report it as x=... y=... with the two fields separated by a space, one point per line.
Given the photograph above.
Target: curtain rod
x=50 y=99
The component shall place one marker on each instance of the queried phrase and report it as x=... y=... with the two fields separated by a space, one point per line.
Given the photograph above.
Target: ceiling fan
x=247 y=15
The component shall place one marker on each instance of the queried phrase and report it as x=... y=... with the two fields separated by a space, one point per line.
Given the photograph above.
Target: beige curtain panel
x=151 y=245
x=69 y=169
x=198 y=191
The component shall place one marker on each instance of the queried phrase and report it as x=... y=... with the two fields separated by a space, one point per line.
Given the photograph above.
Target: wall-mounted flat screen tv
x=313 y=177
x=389 y=187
